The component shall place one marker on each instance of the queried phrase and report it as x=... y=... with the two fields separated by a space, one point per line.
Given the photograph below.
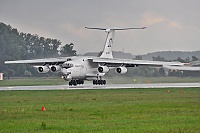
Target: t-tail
x=107 y=51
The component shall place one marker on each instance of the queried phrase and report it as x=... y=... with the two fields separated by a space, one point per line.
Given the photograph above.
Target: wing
x=44 y=61
x=115 y=62
x=183 y=68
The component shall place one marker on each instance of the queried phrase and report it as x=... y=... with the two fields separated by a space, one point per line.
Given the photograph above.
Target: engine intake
x=55 y=68
x=121 y=70
x=103 y=69
x=42 y=69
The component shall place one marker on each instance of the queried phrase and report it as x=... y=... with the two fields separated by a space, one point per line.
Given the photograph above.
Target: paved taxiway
x=108 y=86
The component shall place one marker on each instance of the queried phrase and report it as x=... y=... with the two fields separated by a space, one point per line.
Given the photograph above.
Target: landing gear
x=76 y=82
x=99 y=82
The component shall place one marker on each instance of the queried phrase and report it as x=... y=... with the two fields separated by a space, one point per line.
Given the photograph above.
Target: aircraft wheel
x=99 y=82
x=104 y=82
x=70 y=83
x=79 y=82
x=74 y=82
x=94 y=82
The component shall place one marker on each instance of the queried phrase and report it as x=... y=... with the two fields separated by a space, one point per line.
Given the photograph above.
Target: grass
x=32 y=81
x=119 y=110
x=110 y=80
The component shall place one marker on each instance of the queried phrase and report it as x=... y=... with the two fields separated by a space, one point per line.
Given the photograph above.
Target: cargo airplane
x=76 y=69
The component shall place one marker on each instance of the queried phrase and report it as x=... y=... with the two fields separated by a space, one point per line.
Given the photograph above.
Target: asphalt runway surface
x=108 y=86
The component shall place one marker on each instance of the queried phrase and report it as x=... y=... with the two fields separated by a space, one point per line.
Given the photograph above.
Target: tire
x=104 y=82
x=70 y=83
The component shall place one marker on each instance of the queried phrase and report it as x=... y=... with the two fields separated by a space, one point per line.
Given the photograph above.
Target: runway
x=109 y=86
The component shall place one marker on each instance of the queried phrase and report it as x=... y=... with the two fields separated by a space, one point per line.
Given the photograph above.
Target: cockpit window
x=69 y=59
x=67 y=65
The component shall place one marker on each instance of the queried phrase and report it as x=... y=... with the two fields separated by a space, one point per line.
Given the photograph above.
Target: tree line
x=15 y=45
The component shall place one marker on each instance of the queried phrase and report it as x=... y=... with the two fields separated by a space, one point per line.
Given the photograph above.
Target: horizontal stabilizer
x=95 y=28
x=114 y=28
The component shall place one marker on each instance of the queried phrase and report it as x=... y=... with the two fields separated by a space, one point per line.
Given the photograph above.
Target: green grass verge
x=32 y=81
x=121 y=110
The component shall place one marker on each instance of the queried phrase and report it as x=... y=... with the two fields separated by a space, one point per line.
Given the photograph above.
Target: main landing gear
x=76 y=82
x=99 y=82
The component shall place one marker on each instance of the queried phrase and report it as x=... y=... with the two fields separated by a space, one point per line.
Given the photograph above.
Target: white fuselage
x=82 y=68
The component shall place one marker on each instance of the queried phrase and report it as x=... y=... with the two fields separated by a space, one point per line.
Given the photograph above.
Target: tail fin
x=107 y=51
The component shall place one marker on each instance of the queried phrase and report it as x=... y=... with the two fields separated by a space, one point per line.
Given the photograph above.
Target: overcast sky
x=171 y=24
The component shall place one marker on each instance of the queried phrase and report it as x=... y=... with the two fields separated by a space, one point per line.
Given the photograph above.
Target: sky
x=172 y=25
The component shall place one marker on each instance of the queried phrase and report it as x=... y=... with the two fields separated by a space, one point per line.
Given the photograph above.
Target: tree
x=9 y=45
x=180 y=60
x=194 y=58
x=138 y=57
x=67 y=50
x=158 y=58
x=16 y=46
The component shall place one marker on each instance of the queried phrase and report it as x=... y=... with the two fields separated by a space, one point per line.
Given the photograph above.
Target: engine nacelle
x=121 y=70
x=103 y=69
x=42 y=69
x=55 y=68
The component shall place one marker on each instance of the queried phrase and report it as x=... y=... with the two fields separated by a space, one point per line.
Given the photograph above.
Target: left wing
x=115 y=62
x=183 y=68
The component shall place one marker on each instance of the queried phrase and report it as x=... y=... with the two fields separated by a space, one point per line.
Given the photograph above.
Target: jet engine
x=55 y=68
x=42 y=69
x=103 y=69
x=121 y=70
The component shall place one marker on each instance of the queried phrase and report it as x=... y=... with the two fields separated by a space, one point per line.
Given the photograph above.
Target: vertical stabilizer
x=107 y=51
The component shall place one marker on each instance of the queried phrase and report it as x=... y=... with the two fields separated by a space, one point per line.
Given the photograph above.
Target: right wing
x=44 y=61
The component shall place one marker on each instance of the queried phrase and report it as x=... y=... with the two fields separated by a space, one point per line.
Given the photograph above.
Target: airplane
x=77 y=69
